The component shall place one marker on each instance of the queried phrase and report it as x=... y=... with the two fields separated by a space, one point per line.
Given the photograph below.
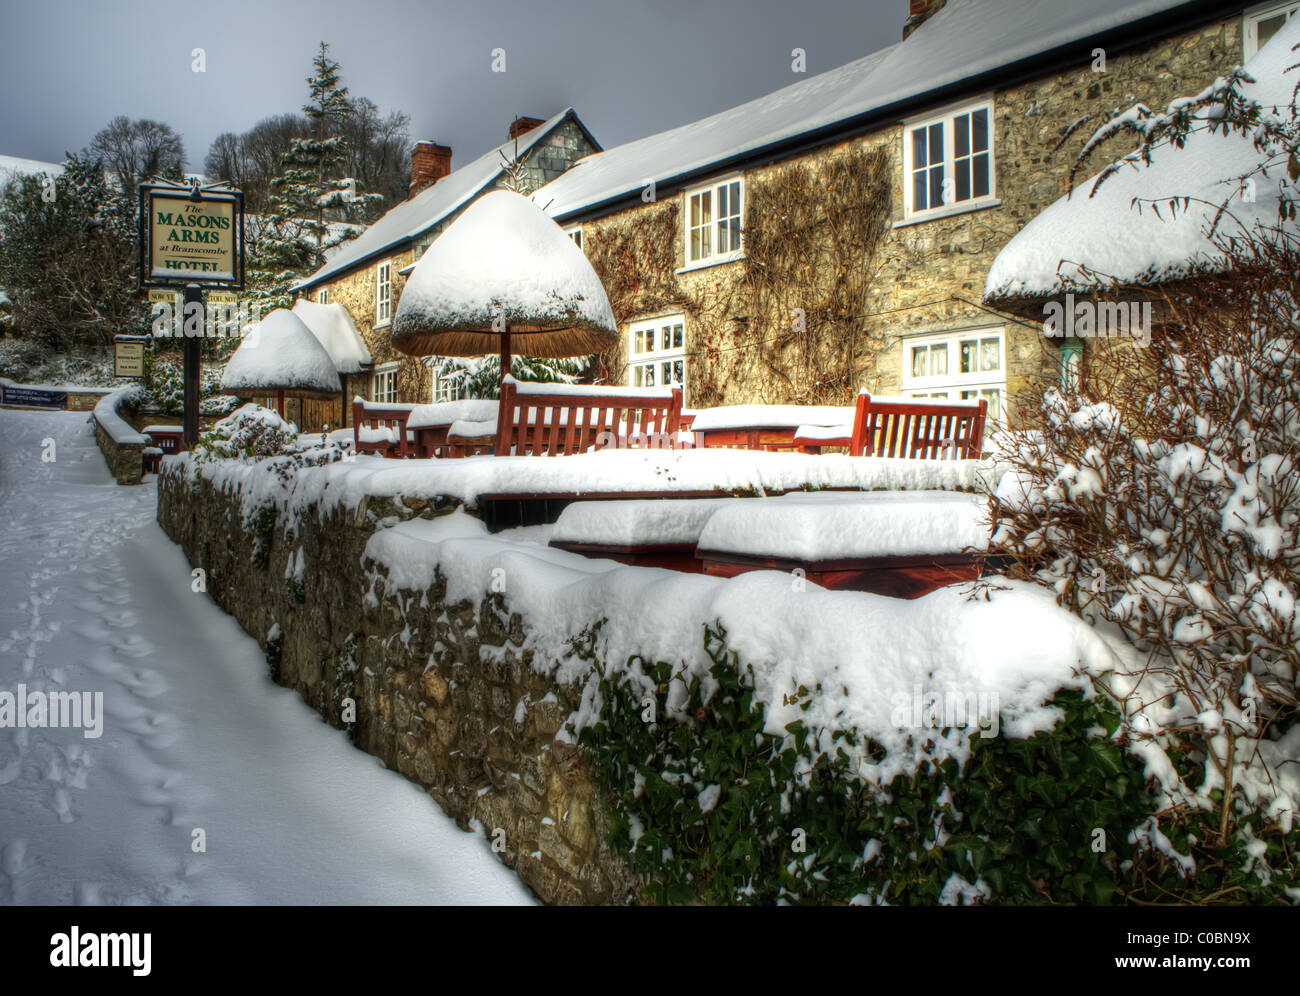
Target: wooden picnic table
x=766 y=427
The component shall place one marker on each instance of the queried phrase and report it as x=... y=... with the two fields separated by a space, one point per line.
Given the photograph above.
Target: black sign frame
x=192 y=191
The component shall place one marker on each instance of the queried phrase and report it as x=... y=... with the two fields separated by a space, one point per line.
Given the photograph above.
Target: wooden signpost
x=191 y=238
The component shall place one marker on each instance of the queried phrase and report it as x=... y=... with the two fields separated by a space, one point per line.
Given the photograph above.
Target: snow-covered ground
x=95 y=598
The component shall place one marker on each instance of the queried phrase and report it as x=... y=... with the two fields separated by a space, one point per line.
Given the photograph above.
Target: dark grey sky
x=629 y=67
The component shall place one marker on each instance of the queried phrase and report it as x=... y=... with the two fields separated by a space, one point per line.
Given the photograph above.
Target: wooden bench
x=561 y=419
x=911 y=428
x=373 y=417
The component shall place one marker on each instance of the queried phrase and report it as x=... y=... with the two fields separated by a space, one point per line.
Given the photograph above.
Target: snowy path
x=94 y=597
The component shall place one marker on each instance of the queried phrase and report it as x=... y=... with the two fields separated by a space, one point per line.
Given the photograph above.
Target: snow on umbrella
x=333 y=327
x=504 y=276
x=281 y=356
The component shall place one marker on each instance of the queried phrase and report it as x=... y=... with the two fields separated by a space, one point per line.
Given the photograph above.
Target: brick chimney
x=430 y=162
x=521 y=126
x=920 y=11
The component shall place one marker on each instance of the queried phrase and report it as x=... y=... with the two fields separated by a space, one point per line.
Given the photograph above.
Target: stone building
x=837 y=233
x=365 y=274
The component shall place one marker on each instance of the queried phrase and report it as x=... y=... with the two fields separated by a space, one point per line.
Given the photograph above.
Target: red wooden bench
x=915 y=429
x=168 y=438
x=560 y=419
x=368 y=416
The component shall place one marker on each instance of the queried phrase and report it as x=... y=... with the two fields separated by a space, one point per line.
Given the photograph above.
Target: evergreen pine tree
x=309 y=198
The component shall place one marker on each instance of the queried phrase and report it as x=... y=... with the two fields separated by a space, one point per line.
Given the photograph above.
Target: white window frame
x=323 y=296
x=946 y=118
x=712 y=187
x=1252 y=18
x=639 y=359
x=383 y=293
x=575 y=233
x=952 y=384
x=385 y=373
x=440 y=389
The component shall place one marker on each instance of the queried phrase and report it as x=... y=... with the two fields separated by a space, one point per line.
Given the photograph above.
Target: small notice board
x=128 y=355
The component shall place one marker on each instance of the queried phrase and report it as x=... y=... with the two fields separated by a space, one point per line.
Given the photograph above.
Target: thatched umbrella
x=333 y=327
x=280 y=356
x=503 y=277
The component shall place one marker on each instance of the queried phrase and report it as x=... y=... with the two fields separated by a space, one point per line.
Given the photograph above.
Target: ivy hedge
x=709 y=807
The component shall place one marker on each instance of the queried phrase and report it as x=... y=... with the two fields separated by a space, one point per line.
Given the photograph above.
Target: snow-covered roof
x=421 y=212
x=1087 y=238
x=504 y=256
x=280 y=354
x=334 y=328
x=18 y=165
x=964 y=40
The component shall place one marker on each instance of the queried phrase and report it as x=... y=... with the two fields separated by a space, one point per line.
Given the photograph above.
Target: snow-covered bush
x=1169 y=515
x=251 y=431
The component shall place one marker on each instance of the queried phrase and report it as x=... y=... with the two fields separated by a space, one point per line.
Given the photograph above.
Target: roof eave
x=1191 y=15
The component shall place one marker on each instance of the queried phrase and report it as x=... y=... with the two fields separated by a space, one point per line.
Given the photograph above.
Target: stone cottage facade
x=783 y=252
x=365 y=275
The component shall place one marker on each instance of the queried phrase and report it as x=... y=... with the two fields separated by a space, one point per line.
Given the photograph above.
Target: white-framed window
x=958 y=366
x=575 y=233
x=383 y=384
x=444 y=389
x=383 y=293
x=657 y=352
x=1261 y=23
x=713 y=221
x=323 y=296
x=948 y=161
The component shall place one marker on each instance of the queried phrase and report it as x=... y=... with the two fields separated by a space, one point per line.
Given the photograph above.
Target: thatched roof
x=504 y=258
x=281 y=354
x=333 y=326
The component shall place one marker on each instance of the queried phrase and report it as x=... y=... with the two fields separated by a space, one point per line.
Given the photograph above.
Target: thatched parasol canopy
x=504 y=262
x=333 y=327
x=281 y=356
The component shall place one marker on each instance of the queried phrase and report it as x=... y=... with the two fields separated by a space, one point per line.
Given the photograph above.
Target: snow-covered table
x=896 y=543
x=903 y=544
x=766 y=427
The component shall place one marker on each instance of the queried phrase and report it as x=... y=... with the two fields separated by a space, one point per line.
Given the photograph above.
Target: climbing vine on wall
x=787 y=323
x=812 y=249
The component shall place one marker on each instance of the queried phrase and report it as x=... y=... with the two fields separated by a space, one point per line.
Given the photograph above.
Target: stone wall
x=122 y=446
x=125 y=460
x=444 y=693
